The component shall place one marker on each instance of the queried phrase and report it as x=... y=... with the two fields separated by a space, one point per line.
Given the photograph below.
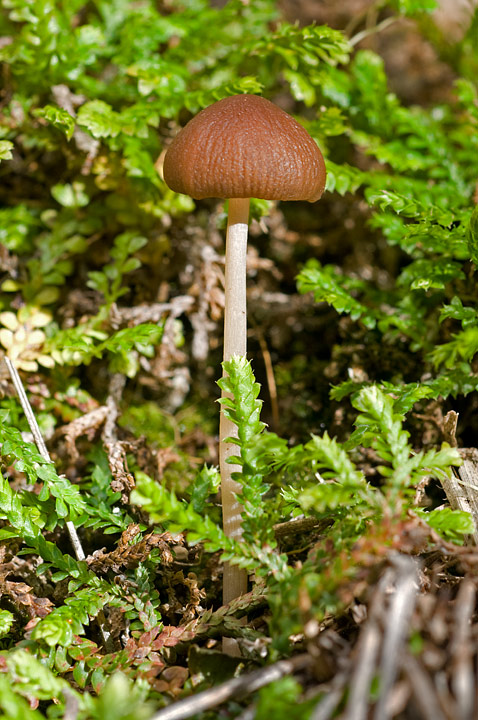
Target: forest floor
x=405 y=642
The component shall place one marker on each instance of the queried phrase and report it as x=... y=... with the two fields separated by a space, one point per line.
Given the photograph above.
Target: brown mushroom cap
x=245 y=147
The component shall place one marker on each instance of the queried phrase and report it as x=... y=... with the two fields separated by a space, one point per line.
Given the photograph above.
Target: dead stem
x=423 y=690
x=366 y=655
x=235 y=688
x=396 y=628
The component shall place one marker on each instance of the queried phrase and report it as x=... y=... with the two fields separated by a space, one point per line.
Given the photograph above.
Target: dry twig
x=462 y=651
x=333 y=695
x=423 y=690
x=366 y=654
x=235 y=688
x=396 y=626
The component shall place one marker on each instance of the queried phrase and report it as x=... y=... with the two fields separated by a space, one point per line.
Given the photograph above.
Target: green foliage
x=57 y=498
x=206 y=483
x=257 y=450
x=281 y=700
x=327 y=483
x=452 y=525
x=63 y=623
x=109 y=280
x=410 y=7
x=6 y=622
x=14 y=705
x=122 y=700
x=93 y=242
x=426 y=158
x=102 y=509
x=347 y=489
x=5 y=150
x=380 y=427
x=165 y=507
x=328 y=285
x=58 y=117
x=82 y=344
x=26 y=677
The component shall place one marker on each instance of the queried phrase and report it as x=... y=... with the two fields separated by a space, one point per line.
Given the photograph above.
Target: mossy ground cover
x=363 y=334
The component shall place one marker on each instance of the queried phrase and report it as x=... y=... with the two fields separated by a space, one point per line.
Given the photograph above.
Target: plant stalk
x=235 y=343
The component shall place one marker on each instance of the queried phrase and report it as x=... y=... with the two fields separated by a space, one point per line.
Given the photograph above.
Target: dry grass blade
x=132 y=316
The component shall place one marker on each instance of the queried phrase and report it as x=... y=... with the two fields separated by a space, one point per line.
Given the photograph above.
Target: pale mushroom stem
x=235 y=343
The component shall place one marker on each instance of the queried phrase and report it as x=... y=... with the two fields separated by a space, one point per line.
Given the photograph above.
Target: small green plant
x=109 y=281
x=327 y=485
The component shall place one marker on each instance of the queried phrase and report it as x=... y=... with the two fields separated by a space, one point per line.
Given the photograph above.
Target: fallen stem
x=244 y=685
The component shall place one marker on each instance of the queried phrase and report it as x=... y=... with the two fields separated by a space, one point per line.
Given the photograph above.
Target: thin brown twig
x=423 y=690
x=271 y=381
x=234 y=688
x=298 y=526
x=131 y=316
x=333 y=695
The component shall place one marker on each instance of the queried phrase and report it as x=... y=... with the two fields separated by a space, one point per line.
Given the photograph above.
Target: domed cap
x=245 y=147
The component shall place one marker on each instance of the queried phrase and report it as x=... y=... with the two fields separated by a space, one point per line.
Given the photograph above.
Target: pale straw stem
x=235 y=328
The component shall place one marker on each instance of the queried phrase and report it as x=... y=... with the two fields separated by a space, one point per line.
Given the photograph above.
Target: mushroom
x=239 y=148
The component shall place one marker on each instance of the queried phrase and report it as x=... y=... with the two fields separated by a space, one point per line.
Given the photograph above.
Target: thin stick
x=396 y=624
x=235 y=341
x=462 y=651
x=372 y=31
x=423 y=689
x=237 y=687
x=331 y=698
x=366 y=654
x=40 y=443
